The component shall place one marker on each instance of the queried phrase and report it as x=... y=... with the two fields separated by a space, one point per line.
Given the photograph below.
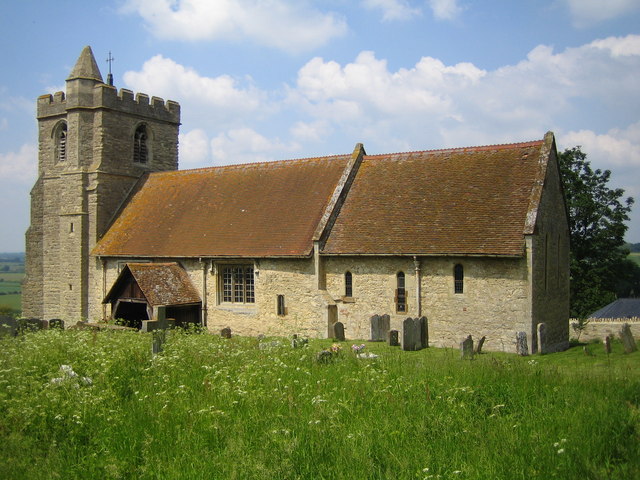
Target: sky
x=262 y=80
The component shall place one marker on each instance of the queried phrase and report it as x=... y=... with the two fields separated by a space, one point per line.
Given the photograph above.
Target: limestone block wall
x=598 y=328
x=494 y=303
x=548 y=251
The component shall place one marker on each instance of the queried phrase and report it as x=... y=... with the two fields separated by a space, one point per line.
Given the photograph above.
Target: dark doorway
x=131 y=314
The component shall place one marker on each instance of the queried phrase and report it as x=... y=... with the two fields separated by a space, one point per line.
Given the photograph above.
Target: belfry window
x=237 y=284
x=61 y=142
x=458 y=279
x=401 y=293
x=140 y=147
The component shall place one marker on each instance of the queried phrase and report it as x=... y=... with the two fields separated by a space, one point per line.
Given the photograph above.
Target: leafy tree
x=600 y=270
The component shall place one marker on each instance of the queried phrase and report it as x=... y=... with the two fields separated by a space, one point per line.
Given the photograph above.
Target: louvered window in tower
x=61 y=143
x=140 y=148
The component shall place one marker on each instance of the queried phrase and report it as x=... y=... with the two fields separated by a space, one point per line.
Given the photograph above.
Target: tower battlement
x=108 y=97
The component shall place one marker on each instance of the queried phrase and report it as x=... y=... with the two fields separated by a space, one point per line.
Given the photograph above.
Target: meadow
x=213 y=408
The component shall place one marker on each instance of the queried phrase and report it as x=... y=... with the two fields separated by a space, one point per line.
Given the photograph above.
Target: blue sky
x=275 y=79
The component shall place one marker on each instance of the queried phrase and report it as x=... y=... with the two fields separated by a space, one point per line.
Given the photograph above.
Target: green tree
x=597 y=216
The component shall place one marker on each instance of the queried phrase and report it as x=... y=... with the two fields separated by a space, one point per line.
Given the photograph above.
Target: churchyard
x=100 y=404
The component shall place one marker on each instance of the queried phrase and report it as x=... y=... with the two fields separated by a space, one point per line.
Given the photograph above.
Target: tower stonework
x=95 y=143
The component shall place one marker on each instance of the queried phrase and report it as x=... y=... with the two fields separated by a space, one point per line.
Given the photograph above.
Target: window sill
x=242 y=309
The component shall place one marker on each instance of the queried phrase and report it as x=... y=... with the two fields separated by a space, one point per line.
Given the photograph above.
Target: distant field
x=11 y=289
x=13 y=301
x=635 y=256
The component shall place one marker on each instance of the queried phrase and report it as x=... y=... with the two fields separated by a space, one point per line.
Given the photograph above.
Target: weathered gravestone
x=8 y=326
x=466 y=348
x=543 y=341
x=225 y=332
x=30 y=325
x=393 y=338
x=607 y=344
x=480 y=345
x=424 y=331
x=338 y=331
x=414 y=334
x=380 y=325
x=159 y=329
x=56 y=323
x=522 y=348
x=628 y=342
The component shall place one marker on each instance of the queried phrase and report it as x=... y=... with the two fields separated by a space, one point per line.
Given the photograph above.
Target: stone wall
x=598 y=328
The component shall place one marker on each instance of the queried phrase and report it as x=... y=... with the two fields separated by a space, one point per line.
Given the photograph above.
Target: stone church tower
x=95 y=144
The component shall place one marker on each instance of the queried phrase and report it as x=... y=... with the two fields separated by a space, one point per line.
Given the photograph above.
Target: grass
x=635 y=256
x=11 y=290
x=226 y=409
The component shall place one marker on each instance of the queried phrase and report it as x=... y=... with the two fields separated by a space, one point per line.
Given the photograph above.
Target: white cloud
x=20 y=166
x=194 y=149
x=311 y=131
x=393 y=9
x=616 y=148
x=588 y=12
x=245 y=145
x=445 y=9
x=290 y=26
x=169 y=79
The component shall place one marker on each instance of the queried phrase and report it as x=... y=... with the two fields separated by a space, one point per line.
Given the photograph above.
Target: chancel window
x=61 y=142
x=458 y=279
x=281 y=309
x=140 y=146
x=348 y=284
x=401 y=293
x=238 y=284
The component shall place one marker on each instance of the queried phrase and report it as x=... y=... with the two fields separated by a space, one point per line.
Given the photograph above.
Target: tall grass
x=213 y=408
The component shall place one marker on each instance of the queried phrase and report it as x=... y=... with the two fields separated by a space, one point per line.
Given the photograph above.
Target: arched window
x=401 y=293
x=140 y=147
x=61 y=142
x=348 y=284
x=458 y=279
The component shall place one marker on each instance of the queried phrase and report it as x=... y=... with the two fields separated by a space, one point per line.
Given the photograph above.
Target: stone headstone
x=8 y=326
x=157 y=324
x=225 y=332
x=480 y=345
x=628 y=342
x=159 y=338
x=393 y=338
x=522 y=348
x=423 y=330
x=543 y=341
x=466 y=348
x=56 y=323
x=29 y=325
x=607 y=344
x=338 y=331
x=380 y=327
x=412 y=334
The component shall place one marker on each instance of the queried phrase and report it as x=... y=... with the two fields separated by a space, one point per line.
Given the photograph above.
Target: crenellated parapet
x=108 y=97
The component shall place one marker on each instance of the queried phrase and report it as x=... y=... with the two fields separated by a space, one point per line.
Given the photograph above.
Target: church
x=475 y=239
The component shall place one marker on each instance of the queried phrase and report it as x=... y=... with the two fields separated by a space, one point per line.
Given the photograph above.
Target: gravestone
x=522 y=348
x=56 y=323
x=338 y=331
x=393 y=338
x=413 y=335
x=157 y=324
x=159 y=337
x=225 y=332
x=543 y=341
x=8 y=326
x=29 y=325
x=424 y=331
x=480 y=344
x=380 y=327
x=607 y=344
x=466 y=348
x=628 y=342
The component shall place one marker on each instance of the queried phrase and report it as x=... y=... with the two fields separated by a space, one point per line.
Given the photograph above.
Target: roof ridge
x=479 y=148
x=233 y=166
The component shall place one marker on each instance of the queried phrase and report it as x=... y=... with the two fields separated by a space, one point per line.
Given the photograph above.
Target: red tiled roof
x=468 y=201
x=160 y=283
x=251 y=210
